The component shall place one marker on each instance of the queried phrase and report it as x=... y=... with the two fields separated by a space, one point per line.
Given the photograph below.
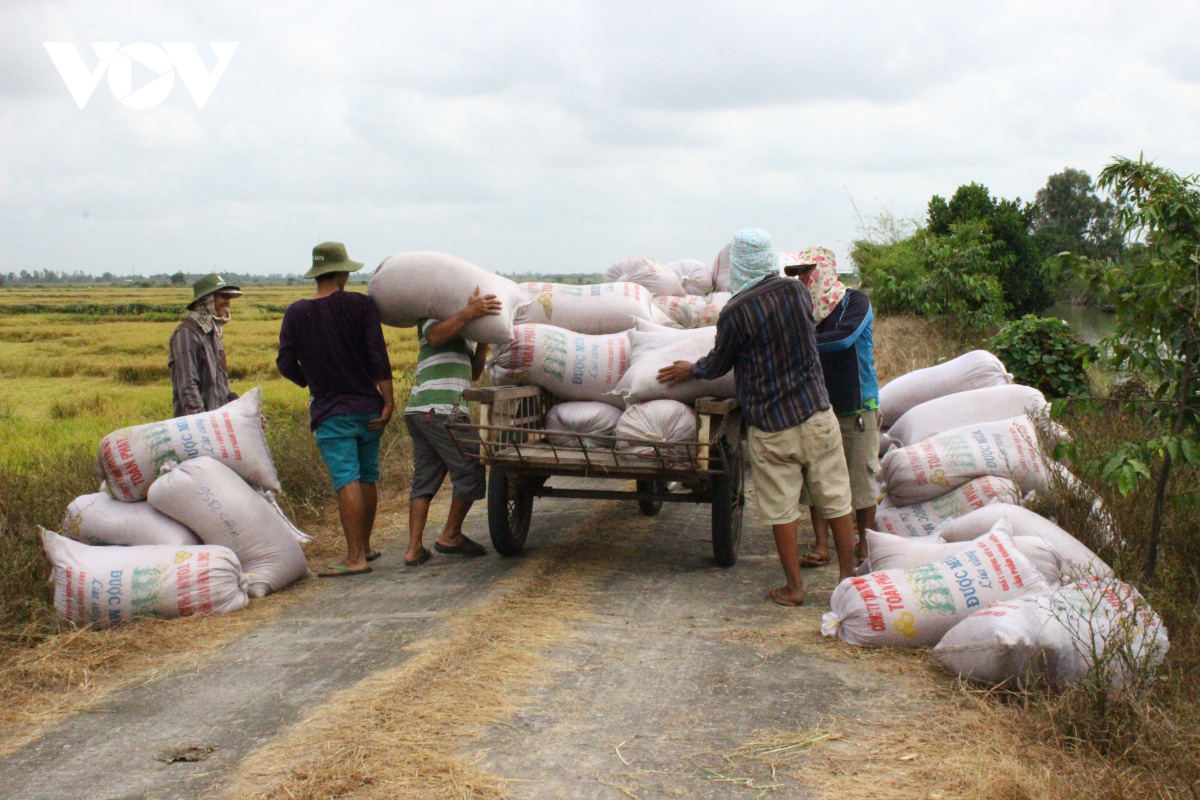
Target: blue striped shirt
x=766 y=335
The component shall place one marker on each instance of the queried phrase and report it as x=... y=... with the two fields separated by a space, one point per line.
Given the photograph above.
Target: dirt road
x=644 y=671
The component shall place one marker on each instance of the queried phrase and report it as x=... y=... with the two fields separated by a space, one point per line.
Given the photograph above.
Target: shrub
x=1042 y=352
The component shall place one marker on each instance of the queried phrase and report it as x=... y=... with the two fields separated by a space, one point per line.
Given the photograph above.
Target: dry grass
x=905 y=343
x=402 y=732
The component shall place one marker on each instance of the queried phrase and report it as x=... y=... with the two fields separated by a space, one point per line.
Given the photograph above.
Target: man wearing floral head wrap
x=846 y=348
x=766 y=335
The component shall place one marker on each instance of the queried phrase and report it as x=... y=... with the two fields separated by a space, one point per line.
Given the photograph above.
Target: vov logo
x=165 y=61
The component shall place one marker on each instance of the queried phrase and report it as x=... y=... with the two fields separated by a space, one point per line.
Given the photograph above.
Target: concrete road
x=676 y=667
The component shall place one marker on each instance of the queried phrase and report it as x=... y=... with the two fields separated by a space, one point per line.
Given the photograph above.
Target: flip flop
x=374 y=554
x=774 y=597
x=420 y=559
x=464 y=548
x=339 y=571
x=814 y=560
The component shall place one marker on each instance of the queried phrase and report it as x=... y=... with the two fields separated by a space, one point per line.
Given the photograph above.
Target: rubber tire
x=510 y=508
x=729 y=500
x=649 y=508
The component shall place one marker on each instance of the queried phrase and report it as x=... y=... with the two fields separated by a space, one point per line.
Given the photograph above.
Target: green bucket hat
x=211 y=284
x=331 y=257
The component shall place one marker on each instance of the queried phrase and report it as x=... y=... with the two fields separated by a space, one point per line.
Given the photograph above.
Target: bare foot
x=786 y=597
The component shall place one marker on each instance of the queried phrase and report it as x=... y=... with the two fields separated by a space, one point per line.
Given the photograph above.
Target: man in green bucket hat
x=332 y=343
x=199 y=379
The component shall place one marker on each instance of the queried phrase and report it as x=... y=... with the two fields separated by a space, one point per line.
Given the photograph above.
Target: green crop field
x=77 y=363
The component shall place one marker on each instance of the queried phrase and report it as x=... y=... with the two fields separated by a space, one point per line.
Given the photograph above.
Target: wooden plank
x=703 y=435
x=713 y=405
x=499 y=394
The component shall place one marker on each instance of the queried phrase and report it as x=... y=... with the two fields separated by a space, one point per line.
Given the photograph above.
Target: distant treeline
x=565 y=277
x=48 y=277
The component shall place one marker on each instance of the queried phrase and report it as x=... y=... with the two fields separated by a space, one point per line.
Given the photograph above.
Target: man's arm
x=477 y=306
x=479 y=360
x=185 y=371
x=389 y=406
x=854 y=315
x=286 y=362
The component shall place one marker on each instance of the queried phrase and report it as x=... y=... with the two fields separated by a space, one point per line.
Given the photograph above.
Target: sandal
x=465 y=547
x=339 y=571
x=814 y=559
x=775 y=597
x=421 y=558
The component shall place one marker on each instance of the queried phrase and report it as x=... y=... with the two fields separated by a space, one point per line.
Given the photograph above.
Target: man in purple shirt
x=766 y=333
x=332 y=343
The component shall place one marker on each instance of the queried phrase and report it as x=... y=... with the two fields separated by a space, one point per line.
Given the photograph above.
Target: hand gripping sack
x=1077 y=559
x=921 y=519
x=575 y=420
x=720 y=269
x=97 y=519
x=647 y=272
x=1058 y=636
x=695 y=276
x=644 y=427
x=915 y=607
x=886 y=552
x=131 y=458
x=569 y=365
x=974 y=370
x=428 y=285
x=964 y=408
x=595 y=309
x=1005 y=448
x=210 y=499
x=652 y=351
x=684 y=311
x=110 y=585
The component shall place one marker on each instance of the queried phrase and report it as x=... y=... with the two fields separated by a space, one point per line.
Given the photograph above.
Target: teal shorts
x=350 y=451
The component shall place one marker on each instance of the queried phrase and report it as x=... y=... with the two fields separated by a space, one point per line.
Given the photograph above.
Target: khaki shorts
x=782 y=460
x=862 y=458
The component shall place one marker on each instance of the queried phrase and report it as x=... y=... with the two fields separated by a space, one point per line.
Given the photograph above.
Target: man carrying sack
x=199 y=380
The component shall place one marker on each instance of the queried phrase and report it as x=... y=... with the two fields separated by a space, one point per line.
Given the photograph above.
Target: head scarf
x=751 y=259
x=205 y=314
x=823 y=284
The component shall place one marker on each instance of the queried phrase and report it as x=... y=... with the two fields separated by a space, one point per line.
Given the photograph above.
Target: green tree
x=1071 y=216
x=178 y=279
x=1007 y=223
x=1157 y=332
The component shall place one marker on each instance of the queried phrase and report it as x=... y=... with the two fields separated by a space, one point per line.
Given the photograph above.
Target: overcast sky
x=560 y=136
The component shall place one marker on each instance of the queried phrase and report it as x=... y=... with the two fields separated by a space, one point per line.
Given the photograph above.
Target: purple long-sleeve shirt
x=334 y=346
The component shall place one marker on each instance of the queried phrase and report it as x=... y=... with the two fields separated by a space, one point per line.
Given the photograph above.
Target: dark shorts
x=350 y=451
x=435 y=455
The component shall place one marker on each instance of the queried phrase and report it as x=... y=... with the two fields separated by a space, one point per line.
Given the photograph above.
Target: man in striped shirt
x=766 y=335
x=446 y=365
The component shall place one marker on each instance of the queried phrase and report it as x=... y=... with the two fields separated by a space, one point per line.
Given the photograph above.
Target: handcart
x=521 y=458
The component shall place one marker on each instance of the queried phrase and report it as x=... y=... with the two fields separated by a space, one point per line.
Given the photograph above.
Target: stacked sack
x=186 y=522
x=1000 y=592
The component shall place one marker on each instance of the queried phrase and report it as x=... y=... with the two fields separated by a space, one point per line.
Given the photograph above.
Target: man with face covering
x=199 y=380
x=766 y=335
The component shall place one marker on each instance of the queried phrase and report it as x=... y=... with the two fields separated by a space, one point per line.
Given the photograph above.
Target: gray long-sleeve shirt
x=199 y=381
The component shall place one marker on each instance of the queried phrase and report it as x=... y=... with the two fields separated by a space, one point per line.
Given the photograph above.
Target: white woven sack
x=708 y=315
x=429 y=285
x=939 y=415
x=647 y=272
x=652 y=351
x=915 y=607
x=921 y=519
x=653 y=327
x=210 y=499
x=594 y=309
x=684 y=311
x=110 y=585
x=720 y=269
x=569 y=365
x=1004 y=448
x=577 y=419
x=1078 y=559
x=1058 y=636
x=974 y=370
x=131 y=458
x=695 y=276
x=664 y=421
x=97 y=519
x=885 y=551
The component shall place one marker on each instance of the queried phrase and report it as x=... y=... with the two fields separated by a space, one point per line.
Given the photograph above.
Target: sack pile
x=185 y=524
x=1004 y=593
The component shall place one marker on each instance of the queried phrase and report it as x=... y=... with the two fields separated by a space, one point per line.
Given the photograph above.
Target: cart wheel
x=650 y=507
x=510 y=506
x=729 y=497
